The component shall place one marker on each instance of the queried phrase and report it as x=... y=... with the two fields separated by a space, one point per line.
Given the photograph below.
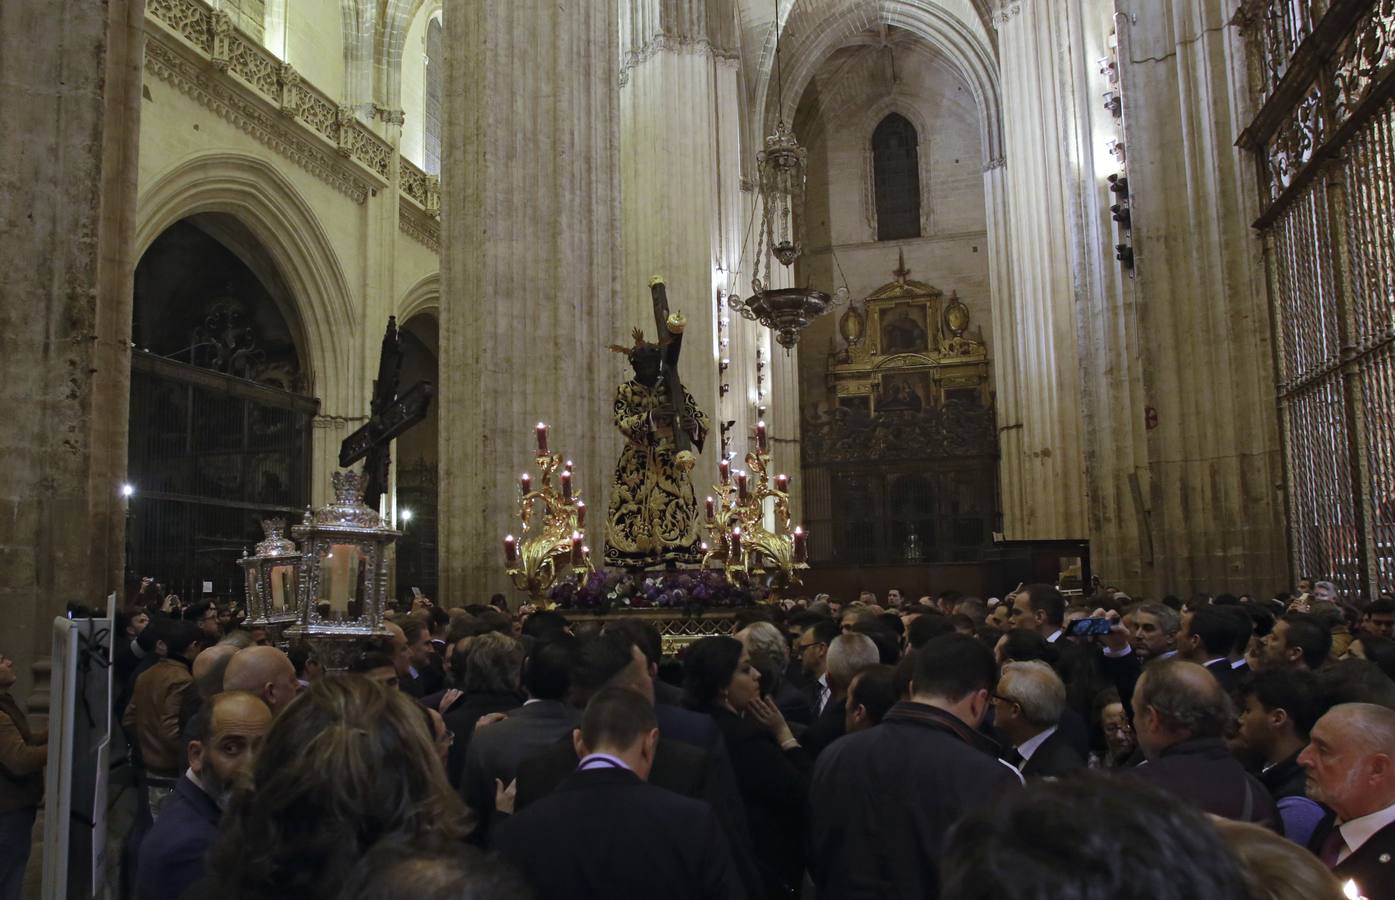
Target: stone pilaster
x=71 y=107
x=1214 y=463
x=680 y=173
x=530 y=292
x=1042 y=141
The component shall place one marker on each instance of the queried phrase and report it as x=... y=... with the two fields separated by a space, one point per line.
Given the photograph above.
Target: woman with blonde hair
x=1274 y=867
x=346 y=765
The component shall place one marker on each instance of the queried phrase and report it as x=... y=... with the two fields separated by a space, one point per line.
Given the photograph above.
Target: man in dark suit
x=606 y=833
x=1180 y=715
x=1351 y=768
x=488 y=668
x=1027 y=708
x=848 y=654
x=225 y=736
x=812 y=652
x=1206 y=638
x=496 y=750
x=690 y=759
x=877 y=829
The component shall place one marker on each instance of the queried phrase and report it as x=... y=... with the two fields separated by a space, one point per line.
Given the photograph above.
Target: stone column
x=1215 y=470
x=680 y=171
x=530 y=294
x=1042 y=137
x=71 y=104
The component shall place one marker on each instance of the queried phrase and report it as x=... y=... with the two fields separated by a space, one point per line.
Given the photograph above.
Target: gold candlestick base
x=542 y=558
x=757 y=551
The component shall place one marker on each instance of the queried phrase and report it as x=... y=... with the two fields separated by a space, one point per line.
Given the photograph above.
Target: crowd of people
x=1219 y=747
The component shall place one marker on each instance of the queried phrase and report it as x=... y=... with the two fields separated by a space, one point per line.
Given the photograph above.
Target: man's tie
x=1332 y=847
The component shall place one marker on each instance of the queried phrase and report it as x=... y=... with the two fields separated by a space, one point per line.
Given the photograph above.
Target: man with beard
x=224 y=739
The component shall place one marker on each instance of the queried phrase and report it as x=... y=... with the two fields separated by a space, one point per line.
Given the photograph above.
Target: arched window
x=896 y=173
x=435 y=76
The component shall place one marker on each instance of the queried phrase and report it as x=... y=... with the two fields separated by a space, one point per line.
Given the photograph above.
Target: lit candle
x=711 y=509
x=724 y=467
x=525 y=483
x=735 y=543
x=567 y=485
x=741 y=485
x=801 y=545
x=1351 y=891
x=510 y=549
x=760 y=437
x=580 y=513
x=576 y=548
x=782 y=483
x=542 y=438
x=570 y=465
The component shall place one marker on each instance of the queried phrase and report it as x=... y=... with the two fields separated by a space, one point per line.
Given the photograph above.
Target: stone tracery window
x=435 y=76
x=896 y=178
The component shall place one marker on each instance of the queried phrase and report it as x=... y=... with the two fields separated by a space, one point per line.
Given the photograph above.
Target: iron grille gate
x=210 y=456
x=1323 y=73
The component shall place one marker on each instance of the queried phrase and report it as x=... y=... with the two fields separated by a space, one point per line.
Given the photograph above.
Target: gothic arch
x=811 y=32
x=253 y=192
x=395 y=21
x=422 y=297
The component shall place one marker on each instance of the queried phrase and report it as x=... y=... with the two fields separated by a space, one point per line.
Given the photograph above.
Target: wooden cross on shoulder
x=390 y=415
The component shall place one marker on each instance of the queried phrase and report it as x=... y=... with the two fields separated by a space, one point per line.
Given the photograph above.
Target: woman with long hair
x=772 y=769
x=346 y=765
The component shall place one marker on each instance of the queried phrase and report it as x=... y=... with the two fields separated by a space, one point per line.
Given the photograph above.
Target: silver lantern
x=344 y=574
x=272 y=577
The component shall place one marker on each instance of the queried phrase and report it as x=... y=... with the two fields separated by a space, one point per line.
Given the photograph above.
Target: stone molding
x=995 y=163
x=242 y=78
x=664 y=43
x=221 y=97
x=419 y=226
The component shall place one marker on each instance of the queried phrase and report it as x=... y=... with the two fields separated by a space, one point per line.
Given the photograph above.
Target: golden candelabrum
x=535 y=561
x=736 y=533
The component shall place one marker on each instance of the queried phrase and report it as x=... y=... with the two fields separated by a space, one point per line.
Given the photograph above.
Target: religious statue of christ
x=653 y=515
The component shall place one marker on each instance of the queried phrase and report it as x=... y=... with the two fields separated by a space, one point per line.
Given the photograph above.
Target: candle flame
x=508 y=537
x=1351 y=891
x=798 y=530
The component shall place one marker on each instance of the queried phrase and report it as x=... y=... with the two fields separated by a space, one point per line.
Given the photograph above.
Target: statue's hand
x=685 y=461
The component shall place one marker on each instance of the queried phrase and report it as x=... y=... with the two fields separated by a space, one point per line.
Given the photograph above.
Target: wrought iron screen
x=1323 y=74
x=416 y=549
x=210 y=456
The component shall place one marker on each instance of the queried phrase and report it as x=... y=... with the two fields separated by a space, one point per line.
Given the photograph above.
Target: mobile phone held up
x=1086 y=627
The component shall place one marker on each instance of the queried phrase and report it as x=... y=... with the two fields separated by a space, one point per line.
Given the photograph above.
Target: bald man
x=1350 y=761
x=1180 y=715
x=265 y=672
x=209 y=668
x=224 y=740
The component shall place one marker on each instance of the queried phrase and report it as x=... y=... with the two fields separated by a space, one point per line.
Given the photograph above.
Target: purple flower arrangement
x=616 y=589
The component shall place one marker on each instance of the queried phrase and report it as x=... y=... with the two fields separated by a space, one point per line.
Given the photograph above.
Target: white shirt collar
x=1361 y=829
x=1211 y=662
x=1054 y=637
x=1032 y=744
x=1238 y=663
x=1168 y=655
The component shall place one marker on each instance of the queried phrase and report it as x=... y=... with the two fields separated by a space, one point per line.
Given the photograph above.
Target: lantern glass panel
x=344 y=571
x=283 y=589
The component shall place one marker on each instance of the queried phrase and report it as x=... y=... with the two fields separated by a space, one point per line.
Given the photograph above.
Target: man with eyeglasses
x=812 y=652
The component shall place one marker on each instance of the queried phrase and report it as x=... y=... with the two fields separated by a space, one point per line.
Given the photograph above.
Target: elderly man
x=1180 y=715
x=848 y=654
x=1153 y=631
x=1027 y=709
x=266 y=672
x=770 y=654
x=223 y=742
x=1351 y=768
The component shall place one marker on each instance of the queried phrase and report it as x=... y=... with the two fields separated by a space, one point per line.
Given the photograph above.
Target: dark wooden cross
x=390 y=416
x=671 y=345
